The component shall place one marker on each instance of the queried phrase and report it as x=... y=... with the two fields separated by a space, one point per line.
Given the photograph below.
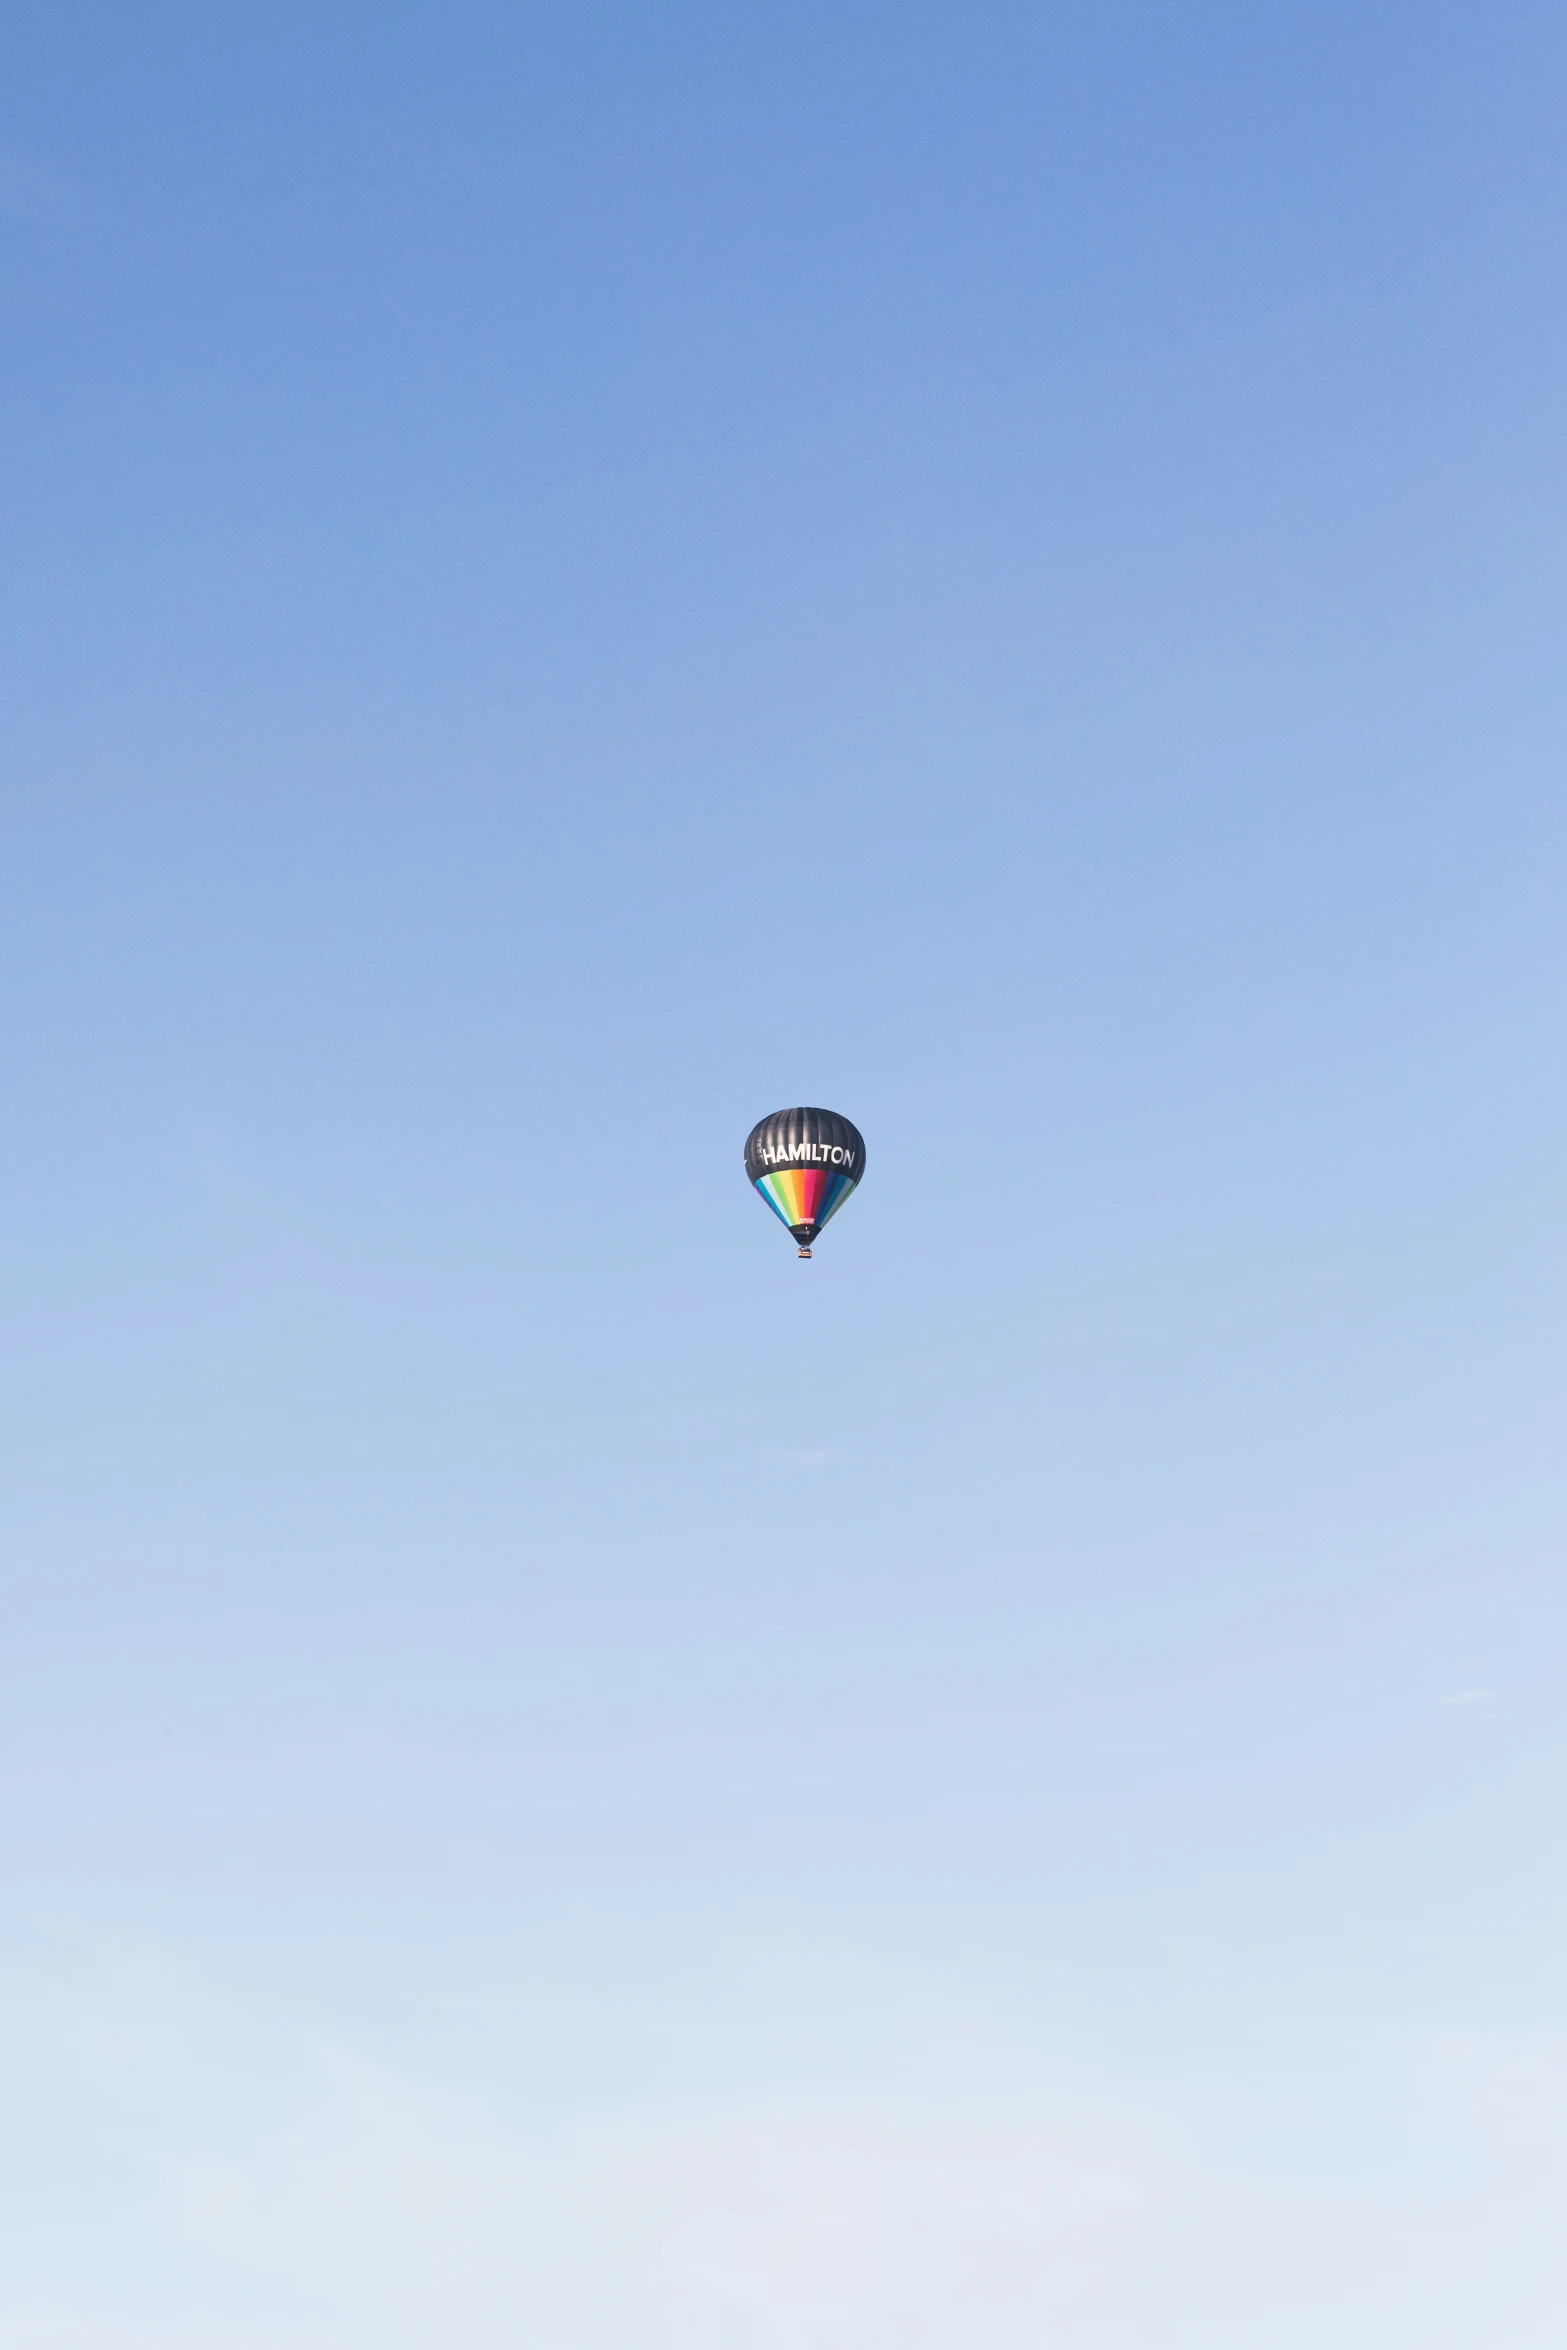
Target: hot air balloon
x=805 y=1163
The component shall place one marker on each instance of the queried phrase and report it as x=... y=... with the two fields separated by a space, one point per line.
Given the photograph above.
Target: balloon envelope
x=805 y=1164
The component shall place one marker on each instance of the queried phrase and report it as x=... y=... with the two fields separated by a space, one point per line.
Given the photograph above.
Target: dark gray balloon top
x=805 y=1138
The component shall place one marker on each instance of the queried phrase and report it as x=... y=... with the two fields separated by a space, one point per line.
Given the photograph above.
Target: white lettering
x=794 y=1154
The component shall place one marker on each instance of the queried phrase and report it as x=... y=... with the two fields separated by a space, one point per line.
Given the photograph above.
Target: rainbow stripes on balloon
x=805 y=1195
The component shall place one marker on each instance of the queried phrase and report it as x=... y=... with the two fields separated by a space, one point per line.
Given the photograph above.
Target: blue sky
x=574 y=576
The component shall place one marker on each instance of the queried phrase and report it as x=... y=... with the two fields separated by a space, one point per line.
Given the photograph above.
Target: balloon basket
x=805 y=1252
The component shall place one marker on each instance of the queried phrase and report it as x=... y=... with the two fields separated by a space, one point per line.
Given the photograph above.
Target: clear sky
x=573 y=575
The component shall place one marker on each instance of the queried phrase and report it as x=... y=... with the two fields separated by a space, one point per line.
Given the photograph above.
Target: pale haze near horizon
x=577 y=576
